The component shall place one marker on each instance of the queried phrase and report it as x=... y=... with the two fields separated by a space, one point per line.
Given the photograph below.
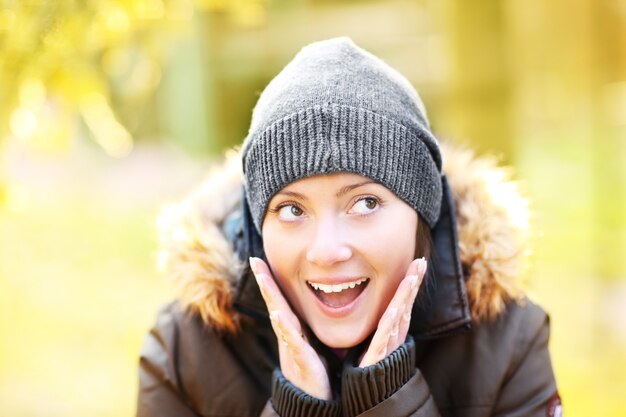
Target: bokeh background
x=110 y=109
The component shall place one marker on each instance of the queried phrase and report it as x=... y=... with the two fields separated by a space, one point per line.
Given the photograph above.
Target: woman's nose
x=327 y=246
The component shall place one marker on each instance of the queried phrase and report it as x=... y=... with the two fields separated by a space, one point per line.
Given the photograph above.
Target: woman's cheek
x=395 y=249
x=282 y=253
x=389 y=246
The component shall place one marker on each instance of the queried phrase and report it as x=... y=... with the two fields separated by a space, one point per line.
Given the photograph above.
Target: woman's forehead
x=331 y=186
x=334 y=180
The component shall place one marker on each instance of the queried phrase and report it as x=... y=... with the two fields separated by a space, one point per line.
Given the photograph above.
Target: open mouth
x=338 y=295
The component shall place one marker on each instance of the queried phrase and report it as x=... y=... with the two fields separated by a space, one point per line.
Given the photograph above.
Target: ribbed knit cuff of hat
x=289 y=400
x=364 y=388
x=336 y=138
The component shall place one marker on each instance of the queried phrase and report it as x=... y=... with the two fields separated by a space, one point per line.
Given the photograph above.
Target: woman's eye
x=365 y=205
x=289 y=212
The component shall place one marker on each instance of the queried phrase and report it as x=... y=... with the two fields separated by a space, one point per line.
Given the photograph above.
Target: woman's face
x=338 y=246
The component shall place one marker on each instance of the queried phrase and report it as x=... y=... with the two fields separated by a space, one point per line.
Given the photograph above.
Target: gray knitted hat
x=336 y=107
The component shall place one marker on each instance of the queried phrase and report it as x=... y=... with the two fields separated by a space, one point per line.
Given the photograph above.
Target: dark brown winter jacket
x=477 y=345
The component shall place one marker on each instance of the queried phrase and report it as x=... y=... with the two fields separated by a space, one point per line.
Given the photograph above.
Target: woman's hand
x=394 y=324
x=299 y=362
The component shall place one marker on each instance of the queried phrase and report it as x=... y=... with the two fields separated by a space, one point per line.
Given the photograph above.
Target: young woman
x=340 y=281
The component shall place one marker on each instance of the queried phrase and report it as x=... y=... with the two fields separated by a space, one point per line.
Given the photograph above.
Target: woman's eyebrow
x=292 y=194
x=344 y=190
x=351 y=187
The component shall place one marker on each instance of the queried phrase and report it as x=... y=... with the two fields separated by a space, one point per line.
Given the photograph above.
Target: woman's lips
x=338 y=295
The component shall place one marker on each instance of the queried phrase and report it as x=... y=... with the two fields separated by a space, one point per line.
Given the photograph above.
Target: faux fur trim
x=492 y=217
x=493 y=228
x=194 y=252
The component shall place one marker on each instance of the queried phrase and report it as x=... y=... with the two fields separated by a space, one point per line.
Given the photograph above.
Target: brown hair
x=424 y=246
x=423 y=240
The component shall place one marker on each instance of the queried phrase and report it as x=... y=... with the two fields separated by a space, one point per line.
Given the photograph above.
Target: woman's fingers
x=387 y=332
x=274 y=299
x=403 y=301
x=299 y=362
x=405 y=319
x=409 y=283
x=377 y=349
x=292 y=341
x=394 y=324
x=284 y=323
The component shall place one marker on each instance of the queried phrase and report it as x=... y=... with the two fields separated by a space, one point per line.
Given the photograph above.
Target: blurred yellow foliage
x=61 y=61
x=78 y=290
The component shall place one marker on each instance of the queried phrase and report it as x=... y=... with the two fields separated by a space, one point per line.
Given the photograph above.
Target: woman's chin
x=338 y=337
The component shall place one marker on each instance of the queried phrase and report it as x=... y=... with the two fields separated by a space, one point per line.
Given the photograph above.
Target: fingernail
x=394 y=331
x=254 y=265
x=393 y=312
x=422 y=267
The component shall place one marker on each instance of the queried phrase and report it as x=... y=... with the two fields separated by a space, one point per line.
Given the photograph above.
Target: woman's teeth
x=328 y=288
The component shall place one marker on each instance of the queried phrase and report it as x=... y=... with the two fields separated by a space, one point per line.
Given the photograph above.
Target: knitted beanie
x=337 y=108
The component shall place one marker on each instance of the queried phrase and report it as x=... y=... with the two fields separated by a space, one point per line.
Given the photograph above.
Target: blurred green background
x=111 y=108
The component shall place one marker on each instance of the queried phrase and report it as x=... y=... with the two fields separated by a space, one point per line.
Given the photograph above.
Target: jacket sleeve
x=160 y=394
x=531 y=388
x=289 y=400
x=391 y=387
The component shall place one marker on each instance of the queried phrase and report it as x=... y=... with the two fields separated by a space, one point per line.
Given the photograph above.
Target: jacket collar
x=442 y=306
x=485 y=225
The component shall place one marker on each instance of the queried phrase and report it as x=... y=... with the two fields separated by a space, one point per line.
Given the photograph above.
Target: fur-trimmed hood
x=492 y=224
